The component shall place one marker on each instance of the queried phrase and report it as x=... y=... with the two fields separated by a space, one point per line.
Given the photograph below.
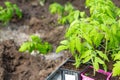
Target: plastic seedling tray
x=70 y=74
x=56 y=74
x=65 y=74
x=84 y=77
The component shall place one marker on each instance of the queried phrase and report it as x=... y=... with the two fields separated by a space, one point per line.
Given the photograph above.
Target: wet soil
x=97 y=76
x=22 y=66
x=115 y=78
x=70 y=65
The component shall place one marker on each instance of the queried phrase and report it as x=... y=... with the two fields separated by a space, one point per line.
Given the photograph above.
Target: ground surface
x=36 y=20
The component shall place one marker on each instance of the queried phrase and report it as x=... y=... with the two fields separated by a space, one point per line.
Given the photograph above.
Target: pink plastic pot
x=84 y=77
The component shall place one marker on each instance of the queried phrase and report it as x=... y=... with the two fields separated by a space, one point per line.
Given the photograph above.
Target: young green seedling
x=95 y=38
x=7 y=12
x=36 y=44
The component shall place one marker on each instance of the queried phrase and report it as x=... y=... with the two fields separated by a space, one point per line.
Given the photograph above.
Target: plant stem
x=93 y=66
x=106 y=46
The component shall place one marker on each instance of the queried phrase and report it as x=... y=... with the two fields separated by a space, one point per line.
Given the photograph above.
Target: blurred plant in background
x=35 y=44
x=10 y=10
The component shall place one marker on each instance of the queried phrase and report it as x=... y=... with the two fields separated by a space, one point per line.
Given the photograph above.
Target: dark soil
x=97 y=76
x=22 y=66
x=70 y=65
x=115 y=78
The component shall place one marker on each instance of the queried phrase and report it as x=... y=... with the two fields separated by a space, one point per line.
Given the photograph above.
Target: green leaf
x=96 y=65
x=86 y=44
x=72 y=45
x=35 y=38
x=87 y=38
x=24 y=47
x=86 y=53
x=1 y=8
x=77 y=14
x=56 y=8
x=64 y=42
x=97 y=59
x=78 y=44
x=77 y=61
x=68 y=7
x=117 y=56
x=72 y=30
x=82 y=14
x=17 y=11
x=8 y=4
x=36 y=45
x=102 y=55
x=97 y=38
x=118 y=11
x=86 y=59
x=43 y=49
x=114 y=29
x=31 y=47
x=116 y=69
x=105 y=67
x=7 y=12
x=62 y=20
x=61 y=48
x=109 y=12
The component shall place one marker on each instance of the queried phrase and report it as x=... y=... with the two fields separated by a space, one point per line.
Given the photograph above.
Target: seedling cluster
x=35 y=44
x=67 y=14
x=10 y=10
x=95 y=38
